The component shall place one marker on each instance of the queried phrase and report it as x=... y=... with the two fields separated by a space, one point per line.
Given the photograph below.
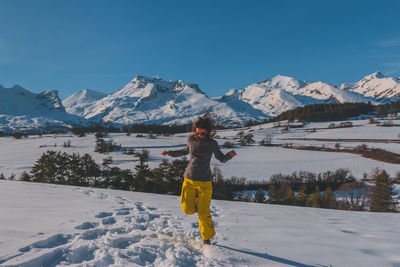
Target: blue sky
x=101 y=45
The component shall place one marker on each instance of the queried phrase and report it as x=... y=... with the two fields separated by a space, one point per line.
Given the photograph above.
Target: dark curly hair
x=207 y=121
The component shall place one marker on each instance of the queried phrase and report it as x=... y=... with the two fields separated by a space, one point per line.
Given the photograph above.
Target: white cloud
x=393 y=42
x=391 y=68
x=393 y=64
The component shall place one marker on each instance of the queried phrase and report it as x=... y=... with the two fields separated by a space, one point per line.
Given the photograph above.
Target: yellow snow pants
x=196 y=197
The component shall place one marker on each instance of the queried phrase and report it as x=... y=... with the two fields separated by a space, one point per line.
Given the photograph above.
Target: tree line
x=332 y=189
x=337 y=111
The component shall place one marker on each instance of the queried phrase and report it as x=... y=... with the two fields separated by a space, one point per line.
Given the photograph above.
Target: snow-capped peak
x=79 y=101
x=155 y=100
x=284 y=82
x=375 y=85
x=377 y=74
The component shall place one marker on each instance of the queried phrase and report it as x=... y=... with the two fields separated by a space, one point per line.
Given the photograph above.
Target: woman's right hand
x=165 y=153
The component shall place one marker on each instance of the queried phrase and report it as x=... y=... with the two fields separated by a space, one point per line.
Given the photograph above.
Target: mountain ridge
x=155 y=100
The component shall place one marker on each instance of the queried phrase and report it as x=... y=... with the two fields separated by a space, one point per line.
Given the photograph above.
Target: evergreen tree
x=224 y=188
x=328 y=199
x=382 y=199
x=272 y=195
x=2 y=177
x=62 y=168
x=315 y=199
x=301 y=197
x=288 y=196
x=25 y=177
x=139 y=178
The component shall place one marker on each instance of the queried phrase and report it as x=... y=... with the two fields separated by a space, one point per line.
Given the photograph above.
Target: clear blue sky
x=101 y=45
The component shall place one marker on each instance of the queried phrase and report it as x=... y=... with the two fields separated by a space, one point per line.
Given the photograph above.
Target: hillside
x=64 y=225
x=22 y=110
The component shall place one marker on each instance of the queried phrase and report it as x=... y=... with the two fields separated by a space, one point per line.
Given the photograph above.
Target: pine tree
x=288 y=196
x=315 y=199
x=382 y=199
x=25 y=177
x=12 y=177
x=272 y=194
x=301 y=197
x=139 y=178
x=2 y=177
x=328 y=199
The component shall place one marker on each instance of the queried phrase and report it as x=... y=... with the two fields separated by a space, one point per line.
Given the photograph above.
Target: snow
x=21 y=109
x=154 y=100
x=79 y=101
x=50 y=225
x=282 y=93
x=53 y=225
x=376 y=85
x=253 y=162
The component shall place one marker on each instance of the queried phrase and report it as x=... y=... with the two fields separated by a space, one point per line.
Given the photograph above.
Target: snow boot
x=207 y=242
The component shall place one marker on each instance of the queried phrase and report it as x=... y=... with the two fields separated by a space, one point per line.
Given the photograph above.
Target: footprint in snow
x=94 y=234
x=51 y=242
x=103 y=214
x=87 y=225
x=108 y=221
x=124 y=242
x=123 y=211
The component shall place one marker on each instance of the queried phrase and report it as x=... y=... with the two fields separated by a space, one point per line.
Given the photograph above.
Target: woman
x=197 y=186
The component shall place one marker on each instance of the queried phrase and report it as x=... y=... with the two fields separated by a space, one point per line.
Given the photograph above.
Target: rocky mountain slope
x=154 y=100
x=22 y=110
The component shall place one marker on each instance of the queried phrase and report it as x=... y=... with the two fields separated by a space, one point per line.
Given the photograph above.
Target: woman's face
x=201 y=133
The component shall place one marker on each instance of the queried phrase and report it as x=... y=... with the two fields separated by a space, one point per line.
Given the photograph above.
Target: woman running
x=197 y=185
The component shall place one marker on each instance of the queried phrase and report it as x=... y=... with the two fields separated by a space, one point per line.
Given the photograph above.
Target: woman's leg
x=188 y=196
x=203 y=210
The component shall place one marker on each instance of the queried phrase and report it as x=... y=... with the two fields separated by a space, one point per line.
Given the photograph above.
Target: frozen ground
x=252 y=162
x=49 y=225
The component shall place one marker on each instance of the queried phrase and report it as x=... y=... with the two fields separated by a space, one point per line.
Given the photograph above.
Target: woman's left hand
x=232 y=153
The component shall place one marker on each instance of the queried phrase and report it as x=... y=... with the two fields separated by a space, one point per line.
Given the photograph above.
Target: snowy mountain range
x=282 y=93
x=78 y=102
x=22 y=110
x=154 y=100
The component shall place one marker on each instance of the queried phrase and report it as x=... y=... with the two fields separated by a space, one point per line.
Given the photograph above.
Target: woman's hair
x=207 y=121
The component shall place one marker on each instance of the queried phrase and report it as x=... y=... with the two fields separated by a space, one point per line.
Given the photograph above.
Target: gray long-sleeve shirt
x=201 y=152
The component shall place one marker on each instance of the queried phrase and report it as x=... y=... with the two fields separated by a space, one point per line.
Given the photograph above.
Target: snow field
x=126 y=233
x=49 y=225
x=253 y=162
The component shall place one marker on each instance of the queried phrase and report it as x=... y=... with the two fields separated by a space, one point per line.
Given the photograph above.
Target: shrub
x=144 y=155
x=228 y=144
x=354 y=196
x=17 y=135
x=99 y=135
x=80 y=132
x=103 y=146
x=67 y=144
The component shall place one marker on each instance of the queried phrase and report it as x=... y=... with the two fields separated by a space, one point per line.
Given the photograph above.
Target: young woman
x=197 y=186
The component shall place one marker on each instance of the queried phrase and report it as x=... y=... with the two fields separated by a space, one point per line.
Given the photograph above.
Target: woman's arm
x=223 y=157
x=177 y=153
